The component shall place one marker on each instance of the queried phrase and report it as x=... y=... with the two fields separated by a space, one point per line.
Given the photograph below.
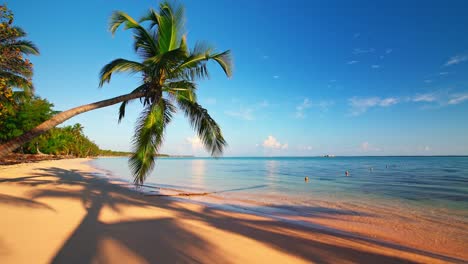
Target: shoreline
x=98 y=218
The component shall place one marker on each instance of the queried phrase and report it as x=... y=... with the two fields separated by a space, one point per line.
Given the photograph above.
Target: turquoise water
x=419 y=182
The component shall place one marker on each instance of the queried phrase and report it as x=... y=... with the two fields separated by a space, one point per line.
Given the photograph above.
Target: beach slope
x=62 y=211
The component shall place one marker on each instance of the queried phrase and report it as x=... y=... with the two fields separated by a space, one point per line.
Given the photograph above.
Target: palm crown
x=169 y=71
x=15 y=69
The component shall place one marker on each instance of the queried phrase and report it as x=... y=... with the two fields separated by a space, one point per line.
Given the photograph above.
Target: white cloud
x=275 y=77
x=362 y=51
x=375 y=66
x=427 y=81
x=195 y=142
x=428 y=97
x=442 y=98
x=302 y=107
x=456 y=99
x=360 y=105
x=242 y=113
x=443 y=73
x=388 y=101
x=427 y=148
x=456 y=60
x=265 y=57
x=356 y=35
x=352 y=62
x=272 y=143
x=388 y=51
x=323 y=106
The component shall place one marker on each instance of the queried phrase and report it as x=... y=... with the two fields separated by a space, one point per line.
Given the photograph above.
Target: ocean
x=430 y=185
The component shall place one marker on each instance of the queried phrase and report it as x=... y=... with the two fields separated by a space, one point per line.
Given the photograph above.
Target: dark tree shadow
x=23 y=202
x=166 y=240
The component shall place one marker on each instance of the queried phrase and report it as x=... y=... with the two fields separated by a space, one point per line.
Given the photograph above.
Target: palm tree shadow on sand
x=169 y=240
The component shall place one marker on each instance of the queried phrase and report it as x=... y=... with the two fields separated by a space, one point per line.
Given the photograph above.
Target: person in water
x=306 y=179
x=347 y=173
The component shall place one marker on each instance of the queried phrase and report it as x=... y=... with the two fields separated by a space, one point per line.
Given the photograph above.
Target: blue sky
x=310 y=78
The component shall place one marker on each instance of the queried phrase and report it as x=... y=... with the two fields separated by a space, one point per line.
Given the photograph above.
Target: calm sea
x=438 y=184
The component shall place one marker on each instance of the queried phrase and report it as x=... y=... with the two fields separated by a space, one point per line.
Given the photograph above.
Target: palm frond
x=17 y=81
x=118 y=65
x=207 y=129
x=170 y=26
x=195 y=65
x=164 y=63
x=183 y=45
x=20 y=33
x=151 y=16
x=24 y=46
x=143 y=39
x=224 y=60
x=181 y=89
x=122 y=110
x=118 y=18
x=149 y=134
x=141 y=88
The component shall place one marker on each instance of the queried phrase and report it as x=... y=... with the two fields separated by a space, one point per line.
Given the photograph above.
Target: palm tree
x=15 y=70
x=169 y=71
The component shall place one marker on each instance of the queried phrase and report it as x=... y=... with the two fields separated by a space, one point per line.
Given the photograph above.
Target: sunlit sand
x=64 y=212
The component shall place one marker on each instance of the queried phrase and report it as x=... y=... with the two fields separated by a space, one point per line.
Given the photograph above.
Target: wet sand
x=63 y=212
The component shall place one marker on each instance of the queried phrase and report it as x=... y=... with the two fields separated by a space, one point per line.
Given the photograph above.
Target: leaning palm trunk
x=60 y=118
x=169 y=71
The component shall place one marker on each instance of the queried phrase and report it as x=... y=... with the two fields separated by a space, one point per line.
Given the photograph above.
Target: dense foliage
x=68 y=140
x=29 y=112
x=15 y=69
x=108 y=152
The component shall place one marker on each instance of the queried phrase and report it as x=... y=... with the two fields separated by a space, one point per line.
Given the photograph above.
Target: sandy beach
x=62 y=211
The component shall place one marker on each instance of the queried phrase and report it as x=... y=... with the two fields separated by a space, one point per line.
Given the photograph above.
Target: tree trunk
x=60 y=118
x=37 y=149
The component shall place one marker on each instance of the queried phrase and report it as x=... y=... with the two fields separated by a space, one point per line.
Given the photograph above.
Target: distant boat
x=328 y=156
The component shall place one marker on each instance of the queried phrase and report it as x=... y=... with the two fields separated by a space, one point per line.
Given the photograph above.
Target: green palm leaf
x=181 y=89
x=170 y=24
x=141 y=88
x=119 y=65
x=149 y=134
x=143 y=39
x=207 y=129
x=25 y=46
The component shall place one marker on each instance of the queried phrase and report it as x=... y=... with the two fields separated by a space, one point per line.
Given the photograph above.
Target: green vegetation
x=68 y=140
x=107 y=152
x=29 y=112
x=15 y=70
x=169 y=73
